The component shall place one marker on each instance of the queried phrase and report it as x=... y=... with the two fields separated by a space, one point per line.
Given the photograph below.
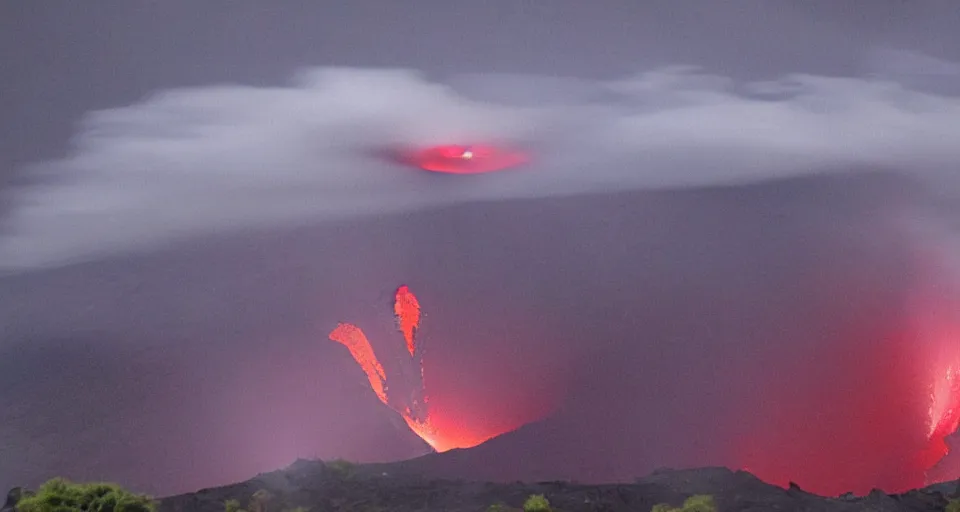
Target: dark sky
x=205 y=361
x=60 y=60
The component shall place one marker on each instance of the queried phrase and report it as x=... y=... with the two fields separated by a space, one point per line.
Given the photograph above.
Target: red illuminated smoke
x=944 y=411
x=473 y=159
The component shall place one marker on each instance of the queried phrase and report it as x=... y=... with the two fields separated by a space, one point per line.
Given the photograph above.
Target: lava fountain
x=934 y=309
x=408 y=396
x=943 y=413
x=406 y=309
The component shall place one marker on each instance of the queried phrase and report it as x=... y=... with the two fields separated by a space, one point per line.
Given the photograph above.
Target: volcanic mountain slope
x=687 y=326
x=739 y=382
x=339 y=487
x=99 y=446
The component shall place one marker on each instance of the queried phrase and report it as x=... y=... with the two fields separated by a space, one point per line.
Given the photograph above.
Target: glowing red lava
x=944 y=411
x=944 y=414
x=441 y=432
x=937 y=326
x=468 y=159
x=945 y=403
x=406 y=308
x=353 y=338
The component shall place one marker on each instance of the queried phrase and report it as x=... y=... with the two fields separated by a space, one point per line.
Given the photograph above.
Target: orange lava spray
x=353 y=338
x=406 y=308
x=441 y=433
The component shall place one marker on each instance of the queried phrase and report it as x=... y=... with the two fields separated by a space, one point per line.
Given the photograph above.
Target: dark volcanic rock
x=14 y=497
x=949 y=489
x=318 y=486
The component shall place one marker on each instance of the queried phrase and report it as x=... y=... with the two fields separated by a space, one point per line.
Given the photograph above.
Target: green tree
x=536 y=503
x=698 y=503
x=60 y=495
x=232 y=506
x=953 y=505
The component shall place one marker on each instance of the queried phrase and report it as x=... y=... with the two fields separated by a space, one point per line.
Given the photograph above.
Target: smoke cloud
x=185 y=162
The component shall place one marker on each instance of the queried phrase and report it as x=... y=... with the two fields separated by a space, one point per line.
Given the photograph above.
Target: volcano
x=409 y=398
x=834 y=398
x=794 y=328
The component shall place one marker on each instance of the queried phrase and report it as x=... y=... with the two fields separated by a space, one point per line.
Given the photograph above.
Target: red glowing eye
x=451 y=151
x=466 y=159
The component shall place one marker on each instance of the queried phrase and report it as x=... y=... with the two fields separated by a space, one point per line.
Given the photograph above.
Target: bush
x=232 y=506
x=536 y=503
x=953 y=505
x=698 y=503
x=59 y=495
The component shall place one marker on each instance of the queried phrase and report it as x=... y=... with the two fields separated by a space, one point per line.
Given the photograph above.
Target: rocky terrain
x=337 y=486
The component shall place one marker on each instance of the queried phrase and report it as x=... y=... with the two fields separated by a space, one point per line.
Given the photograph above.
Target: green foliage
x=953 y=505
x=259 y=502
x=59 y=495
x=498 y=507
x=698 y=503
x=232 y=506
x=536 y=503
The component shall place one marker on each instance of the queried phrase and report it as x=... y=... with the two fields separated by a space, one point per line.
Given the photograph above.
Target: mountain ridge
x=319 y=485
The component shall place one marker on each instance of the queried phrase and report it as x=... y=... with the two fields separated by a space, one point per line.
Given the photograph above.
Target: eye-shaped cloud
x=191 y=161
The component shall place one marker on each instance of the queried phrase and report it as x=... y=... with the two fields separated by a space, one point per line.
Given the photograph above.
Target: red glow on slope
x=882 y=401
x=859 y=425
x=440 y=424
x=472 y=159
x=944 y=411
x=353 y=338
x=406 y=308
x=945 y=403
x=451 y=438
x=937 y=326
x=944 y=415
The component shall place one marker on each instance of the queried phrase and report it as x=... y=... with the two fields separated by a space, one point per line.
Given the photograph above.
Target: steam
x=193 y=161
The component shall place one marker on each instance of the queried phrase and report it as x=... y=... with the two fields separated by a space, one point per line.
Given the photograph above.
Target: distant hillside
x=339 y=486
